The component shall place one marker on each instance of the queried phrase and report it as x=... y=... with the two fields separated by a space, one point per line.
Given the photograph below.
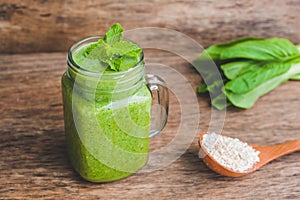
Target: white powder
x=230 y=152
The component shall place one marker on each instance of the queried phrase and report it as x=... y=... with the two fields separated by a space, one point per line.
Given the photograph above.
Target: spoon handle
x=269 y=153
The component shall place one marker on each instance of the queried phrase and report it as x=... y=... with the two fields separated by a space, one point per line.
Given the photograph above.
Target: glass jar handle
x=159 y=112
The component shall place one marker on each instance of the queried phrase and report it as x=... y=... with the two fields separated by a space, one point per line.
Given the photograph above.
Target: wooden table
x=34 y=164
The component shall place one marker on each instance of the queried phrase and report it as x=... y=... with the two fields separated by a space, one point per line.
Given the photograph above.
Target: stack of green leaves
x=247 y=69
x=115 y=52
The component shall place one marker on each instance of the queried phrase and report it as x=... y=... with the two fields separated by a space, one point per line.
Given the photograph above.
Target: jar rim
x=78 y=69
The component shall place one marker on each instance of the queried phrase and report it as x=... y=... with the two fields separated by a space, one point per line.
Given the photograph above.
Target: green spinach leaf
x=264 y=50
x=249 y=68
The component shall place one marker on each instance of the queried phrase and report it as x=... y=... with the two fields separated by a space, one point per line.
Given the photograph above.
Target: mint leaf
x=89 y=49
x=123 y=55
x=123 y=47
x=115 y=52
x=126 y=61
x=94 y=49
x=114 y=34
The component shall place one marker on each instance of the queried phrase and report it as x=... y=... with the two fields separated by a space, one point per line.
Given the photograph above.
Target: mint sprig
x=115 y=52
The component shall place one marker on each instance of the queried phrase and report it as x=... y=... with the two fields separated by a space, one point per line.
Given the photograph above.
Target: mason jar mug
x=107 y=116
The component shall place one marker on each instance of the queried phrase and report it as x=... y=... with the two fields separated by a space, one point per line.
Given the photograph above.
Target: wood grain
x=47 y=26
x=33 y=161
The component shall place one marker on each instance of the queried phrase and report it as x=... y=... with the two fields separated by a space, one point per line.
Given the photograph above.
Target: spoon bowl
x=267 y=154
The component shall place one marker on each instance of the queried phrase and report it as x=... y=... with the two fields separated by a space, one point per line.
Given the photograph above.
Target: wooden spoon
x=267 y=154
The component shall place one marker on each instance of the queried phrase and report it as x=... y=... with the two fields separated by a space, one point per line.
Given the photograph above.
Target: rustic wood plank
x=33 y=161
x=47 y=26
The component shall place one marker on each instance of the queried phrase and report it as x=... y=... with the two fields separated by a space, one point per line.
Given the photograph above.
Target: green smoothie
x=107 y=111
